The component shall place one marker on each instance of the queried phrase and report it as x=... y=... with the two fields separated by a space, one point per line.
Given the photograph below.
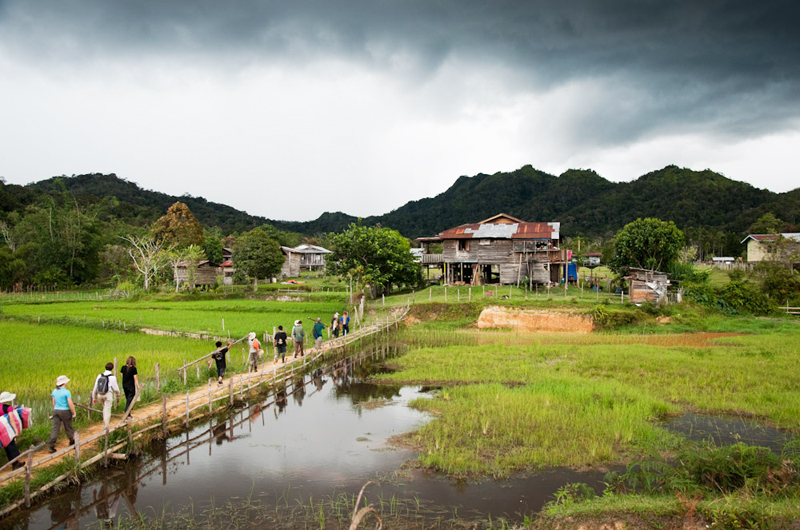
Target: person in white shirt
x=104 y=391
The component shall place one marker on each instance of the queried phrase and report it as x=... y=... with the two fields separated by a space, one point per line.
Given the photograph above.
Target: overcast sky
x=287 y=109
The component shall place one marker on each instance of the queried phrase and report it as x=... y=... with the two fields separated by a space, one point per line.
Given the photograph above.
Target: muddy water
x=327 y=435
x=727 y=430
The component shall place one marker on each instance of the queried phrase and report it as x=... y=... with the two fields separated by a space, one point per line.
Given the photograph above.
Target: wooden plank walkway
x=175 y=410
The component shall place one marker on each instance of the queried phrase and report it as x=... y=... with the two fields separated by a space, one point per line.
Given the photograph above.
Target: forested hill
x=587 y=204
x=584 y=202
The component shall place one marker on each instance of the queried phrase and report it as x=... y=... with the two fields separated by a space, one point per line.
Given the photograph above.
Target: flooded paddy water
x=300 y=457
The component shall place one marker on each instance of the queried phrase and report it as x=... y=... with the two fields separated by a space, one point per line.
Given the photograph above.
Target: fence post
x=105 y=449
x=198 y=371
x=164 y=415
x=184 y=372
x=230 y=389
x=187 y=409
x=77 y=439
x=430 y=294
x=28 y=467
x=470 y=294
x=158 y=379
x=210 y=400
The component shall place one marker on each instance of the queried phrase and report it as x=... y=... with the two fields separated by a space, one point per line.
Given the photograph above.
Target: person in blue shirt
x=63 y=412
x=319 y=327
x=345 y=323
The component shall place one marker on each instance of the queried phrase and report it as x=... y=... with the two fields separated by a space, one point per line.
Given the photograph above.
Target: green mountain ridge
x=584 y=202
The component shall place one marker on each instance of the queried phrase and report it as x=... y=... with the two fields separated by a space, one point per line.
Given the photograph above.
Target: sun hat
x=252 y=335
x=5 y=397
x=298 y=322
x=319 y=319
x=62 y=380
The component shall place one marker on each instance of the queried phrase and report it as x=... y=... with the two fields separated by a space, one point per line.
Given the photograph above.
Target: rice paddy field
x=217 y=317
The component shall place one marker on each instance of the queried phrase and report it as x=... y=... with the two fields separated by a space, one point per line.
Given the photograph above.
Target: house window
x=463 y=244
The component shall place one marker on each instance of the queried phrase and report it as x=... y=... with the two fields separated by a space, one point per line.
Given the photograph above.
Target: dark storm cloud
x=726 y=67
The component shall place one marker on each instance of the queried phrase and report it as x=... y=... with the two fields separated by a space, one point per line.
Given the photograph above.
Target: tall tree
x=374 y=256
x=179 y=227
x=148 y=256
x=257 y=255
x=647 y=244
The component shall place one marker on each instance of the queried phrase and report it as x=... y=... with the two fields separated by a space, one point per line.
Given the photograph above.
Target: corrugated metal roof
x=503 y=231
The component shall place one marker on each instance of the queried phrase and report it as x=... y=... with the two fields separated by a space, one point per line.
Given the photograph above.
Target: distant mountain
x=583 y=201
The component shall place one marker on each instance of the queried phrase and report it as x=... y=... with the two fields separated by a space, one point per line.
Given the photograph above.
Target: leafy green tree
x=372 y=256
x=212 y=245
x=179 y=227
x=767 y=224
x=257 y=255
x=647 y=244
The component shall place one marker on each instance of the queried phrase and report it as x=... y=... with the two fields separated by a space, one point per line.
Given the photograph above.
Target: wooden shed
x=501 y=249
x=647 y=285
x=204 y=274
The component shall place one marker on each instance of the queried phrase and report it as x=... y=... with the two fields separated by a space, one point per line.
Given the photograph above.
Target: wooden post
x=470 y=294
x=509 y=292
x=383 y=299
x=77 y=439
x=158 y=380
x=210 y=399
x=130 y=439
x=184 y=372
x=114 y=396
x=445 y=293
x=223 y=324
x=105 y=449
x=458 y=294
x=484 y=290
x=28 y=468
x=164 y=415
x=430 y=294
x=230 y=390
x=187 y=409
x=198 y=371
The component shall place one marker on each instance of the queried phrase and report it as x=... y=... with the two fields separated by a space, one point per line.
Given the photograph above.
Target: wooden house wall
x=202 y=276
x=291 y=266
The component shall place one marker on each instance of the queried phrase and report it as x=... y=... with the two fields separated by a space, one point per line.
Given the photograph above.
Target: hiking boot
x=72 y=442
x=52 y=450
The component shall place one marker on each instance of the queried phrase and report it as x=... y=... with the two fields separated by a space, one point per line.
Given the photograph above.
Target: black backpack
x=102 y=385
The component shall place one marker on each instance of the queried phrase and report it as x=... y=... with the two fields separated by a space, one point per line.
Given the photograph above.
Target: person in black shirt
x=280 y=344
x=130 y=381
x=219 y=358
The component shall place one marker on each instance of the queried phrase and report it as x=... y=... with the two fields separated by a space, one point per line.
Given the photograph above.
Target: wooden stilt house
x=501 y=249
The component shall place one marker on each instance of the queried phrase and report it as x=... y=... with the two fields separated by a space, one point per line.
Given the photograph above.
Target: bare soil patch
x=534 y=320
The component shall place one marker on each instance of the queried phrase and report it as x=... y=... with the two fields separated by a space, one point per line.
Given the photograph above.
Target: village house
x=302 y=258
x=760 y=246
x=501 y=249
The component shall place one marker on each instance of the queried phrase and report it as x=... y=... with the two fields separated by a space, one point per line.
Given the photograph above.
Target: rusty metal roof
x=503 y=231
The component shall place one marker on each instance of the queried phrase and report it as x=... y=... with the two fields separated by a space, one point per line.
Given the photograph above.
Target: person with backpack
x=105 y=389
x=280 y=345
x=6 y=407
x=63 y=412
x=299 y=337
x=319 y=327
x=220 y=359
x=254 y=347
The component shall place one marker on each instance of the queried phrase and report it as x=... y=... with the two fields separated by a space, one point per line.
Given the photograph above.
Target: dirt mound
x=534 y=320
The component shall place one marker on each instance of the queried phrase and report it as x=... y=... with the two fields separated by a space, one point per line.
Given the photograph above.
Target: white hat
x=62 y=380
x=5 y=397
x=336 y=314
x=297 y=322
x=252 y=335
